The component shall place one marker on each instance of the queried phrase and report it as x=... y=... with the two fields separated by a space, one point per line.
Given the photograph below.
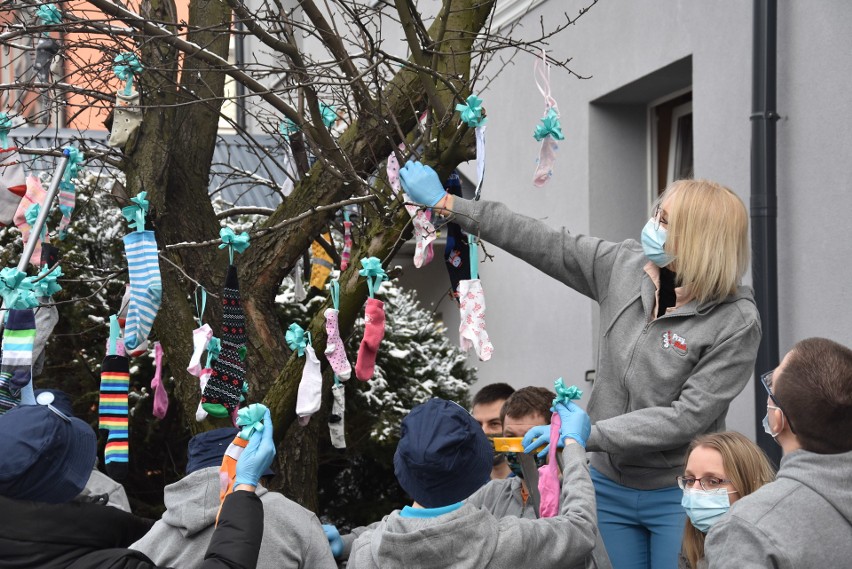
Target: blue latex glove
x=257 y=456
x=421 y=183
x=575 y=424
x=334 y=540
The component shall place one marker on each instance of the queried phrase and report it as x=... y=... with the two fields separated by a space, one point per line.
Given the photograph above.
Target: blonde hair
x=708 y=237
x=745 y=466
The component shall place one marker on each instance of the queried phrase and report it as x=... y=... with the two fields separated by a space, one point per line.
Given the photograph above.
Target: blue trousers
x=641 y=529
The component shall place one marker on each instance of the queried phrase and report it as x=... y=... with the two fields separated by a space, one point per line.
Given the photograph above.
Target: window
x=670 y=124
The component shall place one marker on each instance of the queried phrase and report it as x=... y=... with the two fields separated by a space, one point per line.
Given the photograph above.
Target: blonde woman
x=678 y=340
x=720 y=469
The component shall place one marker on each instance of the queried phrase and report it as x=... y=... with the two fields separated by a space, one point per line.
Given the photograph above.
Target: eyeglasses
x=658 y=217
x=706 y=483
x=766 y=380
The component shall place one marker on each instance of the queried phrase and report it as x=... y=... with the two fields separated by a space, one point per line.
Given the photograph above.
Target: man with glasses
x=804 y=518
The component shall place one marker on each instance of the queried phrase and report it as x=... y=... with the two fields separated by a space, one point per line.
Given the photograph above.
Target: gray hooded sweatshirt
x=660 y=382
x=472 y=538
x=292 y=535
x=802 y=519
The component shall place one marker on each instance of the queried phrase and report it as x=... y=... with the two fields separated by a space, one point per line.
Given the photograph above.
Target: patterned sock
x=374 y=332
x=335 y=351
x=309 y=396
x=18 y=339
x=112 y=414
x=13 y=184
x=146 y=288
x=9 y=397
x=472 y=322
x=67 y=200
x=347 y=245
x=222 y=393
x=335 y=419
x=35 y=195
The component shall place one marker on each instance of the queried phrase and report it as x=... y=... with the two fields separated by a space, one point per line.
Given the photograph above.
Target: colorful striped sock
x=112 y=414
x=9 y=397
x=228 y=470
x=18 y=338
x=146 y=288
x=67 y=200
x=35 y=195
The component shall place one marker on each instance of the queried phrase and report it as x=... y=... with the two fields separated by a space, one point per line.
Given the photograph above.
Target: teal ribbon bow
x=288 y=128
x=31 y=215
x=250 y=420
x=565 y=394
x=5 y=127
x=214 y=348
x=75 y=158
x=135 y=213
x=125 y=66
x=297 y=339
x=550 y=125
x=16 y=289
x=374 y=273
x=329 y=115
x=46 y=285
x=471 y=112
x=233 y=242
x=334 y=289
x=49 y=15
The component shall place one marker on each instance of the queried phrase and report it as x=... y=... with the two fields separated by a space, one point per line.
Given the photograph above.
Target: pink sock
x=35 y=195
x=335 y=352
x=161 y=397
x=424 y=233
x=347 y=245
x=546 y=159
x=472 y=326
x=374 y=331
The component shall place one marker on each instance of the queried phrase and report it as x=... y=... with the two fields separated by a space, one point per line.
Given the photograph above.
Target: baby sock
x=222 y=393
x=424 y=234
x=347 y=245
x=335 y=351
x=13 y=184
x=67 y=200
x=546 y=159
x=18 y=338
x=126 y=118
x=35 y=195
x=200 y=337
x=200 y=413
x=146 y=288
x=161 y=396
x=309 y=397
x=472 y=326
x=335 y=419
x=112 y=414
x=374 y=332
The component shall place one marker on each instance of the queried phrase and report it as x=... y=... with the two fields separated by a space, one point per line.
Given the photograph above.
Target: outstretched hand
x=257 y=456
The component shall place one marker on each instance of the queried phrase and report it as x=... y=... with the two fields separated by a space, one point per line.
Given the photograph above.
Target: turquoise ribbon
x=549 y=126
x=75 y=158
x=125 y=66
x=329 y=115
x=233 y=242
x=135 y=213
x=5 y=127
x=31 y=215
x=474 y=257
x=334 y=289
x=49 y=15
x=46 y=285
x=297 y=339
x=114 y=335
x=565 y=394
x=16 y=289
x=471 y=112
x=250 y=420
x=374 y=273
x=199 y=310
x=214 y=348
x=288 y=128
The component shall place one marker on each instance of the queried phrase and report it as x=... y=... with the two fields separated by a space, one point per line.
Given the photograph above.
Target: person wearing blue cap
x=292 y=535
x=442 y=458
x=47 y=459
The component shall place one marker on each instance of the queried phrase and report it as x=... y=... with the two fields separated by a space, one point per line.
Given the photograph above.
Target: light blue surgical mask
x=705 y=507
x=653 y=243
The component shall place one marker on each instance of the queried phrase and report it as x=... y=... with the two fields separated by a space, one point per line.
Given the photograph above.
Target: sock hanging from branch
x=473 y=115
x=550 y=130
x=321 y=263
x=424 y=231
x=201 y=336
x=27 y=213
x=67 y=191
x=309 y=396
x=112 y=408
x=472 y=306
x=161 y=396
x=335 y=419
x=346 y=254
x=335 y=351
x=127 y=116
x=146 y=288
x=374 y=319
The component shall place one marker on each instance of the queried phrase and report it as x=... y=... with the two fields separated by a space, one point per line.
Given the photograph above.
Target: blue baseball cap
x=208 y=448
x=443 y=455
x=46 y=457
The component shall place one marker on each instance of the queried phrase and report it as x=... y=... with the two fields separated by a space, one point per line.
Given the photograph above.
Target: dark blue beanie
x=208 y=448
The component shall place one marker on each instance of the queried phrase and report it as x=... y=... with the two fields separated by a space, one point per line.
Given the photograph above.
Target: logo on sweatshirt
x=675 y=342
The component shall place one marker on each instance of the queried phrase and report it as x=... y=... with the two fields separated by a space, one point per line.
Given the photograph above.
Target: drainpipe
x=764 y=210
x=240 y=56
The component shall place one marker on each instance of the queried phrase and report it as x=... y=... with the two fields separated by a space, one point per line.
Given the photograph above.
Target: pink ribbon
x=161 y=397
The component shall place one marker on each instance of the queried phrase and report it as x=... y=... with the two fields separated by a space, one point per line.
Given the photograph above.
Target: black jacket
x=92 y=536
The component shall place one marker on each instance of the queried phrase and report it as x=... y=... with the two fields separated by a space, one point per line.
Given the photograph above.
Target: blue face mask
x=653 y=243
x=705 y=508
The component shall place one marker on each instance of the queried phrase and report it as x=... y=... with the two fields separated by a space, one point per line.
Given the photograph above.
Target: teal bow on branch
x=31 y=215
x=49 y=15
x=16 y=289
x=135 y=213
x=288 y=128
x=233 y=242
x=296 y=338
x=46 y=285
x=329 y=115
x=250 y=420
x=75 y=158
x=374 y=273
x=565 y=394
x=126 y=66
x=549 y=126
x=5 y=127
x=214 y=348
x=471 y=112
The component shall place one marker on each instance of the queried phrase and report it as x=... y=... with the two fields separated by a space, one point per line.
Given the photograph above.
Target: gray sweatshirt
x=292 y=535
x=660 y=382
x=802 y=519
x=472 y=538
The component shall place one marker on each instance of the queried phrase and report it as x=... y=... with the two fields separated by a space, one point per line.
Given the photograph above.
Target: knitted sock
x=67 y=200
x=18 y=339
x=335 y=352
x=9 y=397
x=321 y=264
x=472 y=326
x=35 y=195
x=13 y=184
x=161 y=396
x=335 y=419
x=200 y=413
x=146 y=288
x=345 y=256
x=309 y=396
x=222 y=393
x=546 y=159
x=112 y=414
x=200 y=337
x=374 y=332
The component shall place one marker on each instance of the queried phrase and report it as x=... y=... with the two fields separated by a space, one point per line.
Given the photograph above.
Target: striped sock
x=67 y=200
x=35 y=195
x=146 y=288
x=18 y=338
x=9 y=397
x=228 y=470
x=112 y=414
